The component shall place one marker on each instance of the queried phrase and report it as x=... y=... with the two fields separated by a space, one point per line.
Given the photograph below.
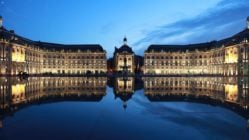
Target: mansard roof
x=9 y=35
x=124 y=48
x=235 y=39
x=14 y=38
x=190 y=47
x=73 y=47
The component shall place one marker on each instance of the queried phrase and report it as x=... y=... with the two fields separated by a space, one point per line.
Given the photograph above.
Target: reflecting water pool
x=124 y=108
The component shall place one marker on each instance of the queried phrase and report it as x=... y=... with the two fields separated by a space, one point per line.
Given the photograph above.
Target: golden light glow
x=18 y=57
x=231 y=56
x=231 y=92
x=18 y=92
x=158 y=71
x=121 y=85
x=18 y=89
x=231 y=59
x=120 y=62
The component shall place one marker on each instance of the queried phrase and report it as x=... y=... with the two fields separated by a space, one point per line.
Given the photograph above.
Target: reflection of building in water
x=231 y=93
x=227 y=90
x=124 y=88
x=15 y=92
x=4 y=88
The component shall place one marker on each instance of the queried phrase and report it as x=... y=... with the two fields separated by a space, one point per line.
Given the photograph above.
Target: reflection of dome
x=124 y=96
x=125 y=105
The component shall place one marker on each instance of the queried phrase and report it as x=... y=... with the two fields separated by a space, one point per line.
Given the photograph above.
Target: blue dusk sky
x=143 y=22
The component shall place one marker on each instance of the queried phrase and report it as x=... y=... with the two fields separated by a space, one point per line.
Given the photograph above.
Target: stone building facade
x=124 y=59
x=227 y=57
x=18 y=55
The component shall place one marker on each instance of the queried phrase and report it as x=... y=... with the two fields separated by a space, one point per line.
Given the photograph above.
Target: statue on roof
x=125 y=40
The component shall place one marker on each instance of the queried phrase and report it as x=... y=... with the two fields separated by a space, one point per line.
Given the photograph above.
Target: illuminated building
x=227 y=57
x=18 y=55
x=124 y=59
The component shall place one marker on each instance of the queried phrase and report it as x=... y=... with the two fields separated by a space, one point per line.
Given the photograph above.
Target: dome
x=125 y=48
x=247 y=18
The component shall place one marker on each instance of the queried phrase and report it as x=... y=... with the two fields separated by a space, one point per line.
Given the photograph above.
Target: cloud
x=107 y=28
x=223 y=20
x=203 y=118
